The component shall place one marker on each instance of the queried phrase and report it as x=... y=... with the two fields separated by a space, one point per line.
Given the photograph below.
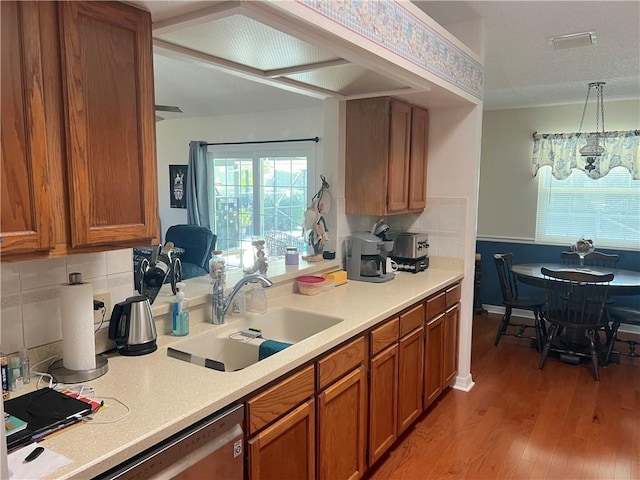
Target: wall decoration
x=390 y=25
x=177 y=186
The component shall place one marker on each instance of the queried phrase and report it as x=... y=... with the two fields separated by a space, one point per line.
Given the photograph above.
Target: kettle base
x=136 y=350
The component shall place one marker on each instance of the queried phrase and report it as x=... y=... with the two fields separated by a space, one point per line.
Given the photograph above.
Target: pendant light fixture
x=592 y=150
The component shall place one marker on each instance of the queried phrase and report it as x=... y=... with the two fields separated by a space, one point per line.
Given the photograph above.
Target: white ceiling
x=520 y=69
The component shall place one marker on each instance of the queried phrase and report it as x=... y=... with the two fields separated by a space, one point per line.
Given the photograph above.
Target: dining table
x=625 y=282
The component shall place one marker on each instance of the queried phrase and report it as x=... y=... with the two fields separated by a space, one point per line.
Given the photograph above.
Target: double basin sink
x=243 y=342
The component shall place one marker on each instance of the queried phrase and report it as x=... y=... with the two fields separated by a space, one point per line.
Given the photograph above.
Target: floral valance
x=561 y=152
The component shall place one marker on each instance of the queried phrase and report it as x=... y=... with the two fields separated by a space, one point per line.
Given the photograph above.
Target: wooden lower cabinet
x=410 y=361
x=286 y=449
x=450 y=342
x=441 y=353
x=433 y=354
x=383 y=402
x=341 y=428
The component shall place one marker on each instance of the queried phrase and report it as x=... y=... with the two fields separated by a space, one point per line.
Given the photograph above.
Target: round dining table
x=625 y=282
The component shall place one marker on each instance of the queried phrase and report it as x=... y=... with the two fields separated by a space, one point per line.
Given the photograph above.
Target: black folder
x=45 y=411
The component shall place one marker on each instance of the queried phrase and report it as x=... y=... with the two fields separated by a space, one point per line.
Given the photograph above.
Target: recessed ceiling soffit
x=221 y=37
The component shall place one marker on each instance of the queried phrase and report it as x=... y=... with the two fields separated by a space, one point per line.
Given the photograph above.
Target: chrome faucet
x=222 y=304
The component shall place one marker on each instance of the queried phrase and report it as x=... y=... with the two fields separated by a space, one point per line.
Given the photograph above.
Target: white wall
x=173 y=137
x=508 y=191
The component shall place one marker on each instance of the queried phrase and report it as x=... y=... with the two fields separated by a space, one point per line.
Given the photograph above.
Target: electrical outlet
x=104 y=297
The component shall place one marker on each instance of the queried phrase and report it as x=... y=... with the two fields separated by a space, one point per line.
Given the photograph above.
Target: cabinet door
x=341 y=427
x=410 y=378
x=450 y=354
x=433 y=359
x=367 y=148
x=418 y=164
x=383 y=402
x=107 y=72
x=286 y=449
x=399 y=151
x=26 y=203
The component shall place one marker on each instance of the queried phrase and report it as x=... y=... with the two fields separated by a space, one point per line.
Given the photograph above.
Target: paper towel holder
x=64 y=375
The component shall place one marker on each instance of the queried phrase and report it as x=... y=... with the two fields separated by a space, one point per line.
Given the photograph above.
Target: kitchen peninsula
x=166 y=395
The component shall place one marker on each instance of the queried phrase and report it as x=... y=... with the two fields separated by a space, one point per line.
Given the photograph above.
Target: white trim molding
x=464 y=384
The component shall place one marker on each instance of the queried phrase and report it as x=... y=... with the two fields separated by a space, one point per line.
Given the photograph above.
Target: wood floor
x=521 y=423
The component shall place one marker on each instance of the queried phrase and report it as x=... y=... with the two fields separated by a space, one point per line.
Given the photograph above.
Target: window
x=606 y=210
x=260 y=191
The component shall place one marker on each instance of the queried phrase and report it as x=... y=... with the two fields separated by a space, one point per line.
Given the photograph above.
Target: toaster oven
x=410 y=245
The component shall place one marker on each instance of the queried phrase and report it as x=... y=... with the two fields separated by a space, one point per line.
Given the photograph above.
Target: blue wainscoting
x=532 y=253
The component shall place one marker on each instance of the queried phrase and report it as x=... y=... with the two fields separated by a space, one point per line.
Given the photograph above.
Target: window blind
x=606 y=210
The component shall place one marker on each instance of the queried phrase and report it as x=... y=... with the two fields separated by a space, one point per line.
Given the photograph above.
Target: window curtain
x=561 y=152
x=197 y=191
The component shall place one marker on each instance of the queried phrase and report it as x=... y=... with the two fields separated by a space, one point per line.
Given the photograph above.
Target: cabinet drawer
x=411 y=320
x=435 y=305
x=279 y=399
x=384 y=336
x=340 y=362
x=453 y=295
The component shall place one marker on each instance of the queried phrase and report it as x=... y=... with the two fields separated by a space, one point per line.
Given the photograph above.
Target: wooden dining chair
x=511 y=299
x=575 y=302
x=594 y=259
x=622 y=316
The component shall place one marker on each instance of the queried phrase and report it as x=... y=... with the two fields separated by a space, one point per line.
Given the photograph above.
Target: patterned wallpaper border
x=390 y=25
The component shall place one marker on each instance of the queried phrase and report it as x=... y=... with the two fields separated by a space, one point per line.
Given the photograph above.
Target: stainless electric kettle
x=132 y=327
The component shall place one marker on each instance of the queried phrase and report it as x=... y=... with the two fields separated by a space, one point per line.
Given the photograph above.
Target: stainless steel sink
x=225 y=349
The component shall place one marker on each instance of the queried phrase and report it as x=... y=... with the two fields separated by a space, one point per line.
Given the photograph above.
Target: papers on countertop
x=46 y=463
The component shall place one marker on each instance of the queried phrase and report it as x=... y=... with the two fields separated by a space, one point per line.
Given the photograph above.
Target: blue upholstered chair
x=197 y=242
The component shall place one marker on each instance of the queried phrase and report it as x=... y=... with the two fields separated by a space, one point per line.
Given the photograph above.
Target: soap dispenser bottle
x=180 y=315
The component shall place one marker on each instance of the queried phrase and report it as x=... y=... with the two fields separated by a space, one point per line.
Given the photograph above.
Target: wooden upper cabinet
x=26 y=203
x=399 y=155
x=386 y=155
x=107 y=79
x=418 y=163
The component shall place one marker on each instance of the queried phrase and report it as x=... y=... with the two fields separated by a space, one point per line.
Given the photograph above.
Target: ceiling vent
x=572 y=40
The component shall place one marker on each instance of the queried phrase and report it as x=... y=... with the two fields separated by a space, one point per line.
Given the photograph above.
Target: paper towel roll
x=78 y=343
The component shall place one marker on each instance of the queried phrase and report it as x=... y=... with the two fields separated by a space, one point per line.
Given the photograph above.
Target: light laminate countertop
x=166 y=395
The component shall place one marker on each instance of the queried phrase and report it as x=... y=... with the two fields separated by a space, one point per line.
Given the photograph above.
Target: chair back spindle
x=506 y=278
x=576 y=299
x=511 y=300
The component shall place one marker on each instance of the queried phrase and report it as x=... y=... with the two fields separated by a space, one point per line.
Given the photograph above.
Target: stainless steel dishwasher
x=212 y=449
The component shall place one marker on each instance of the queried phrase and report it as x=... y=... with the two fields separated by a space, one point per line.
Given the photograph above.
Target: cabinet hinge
x=366 y=453
x=368 y=374
x=387 y=200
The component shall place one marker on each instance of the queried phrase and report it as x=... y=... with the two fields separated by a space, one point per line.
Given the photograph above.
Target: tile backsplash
x=30 y=302
x=444 y=219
